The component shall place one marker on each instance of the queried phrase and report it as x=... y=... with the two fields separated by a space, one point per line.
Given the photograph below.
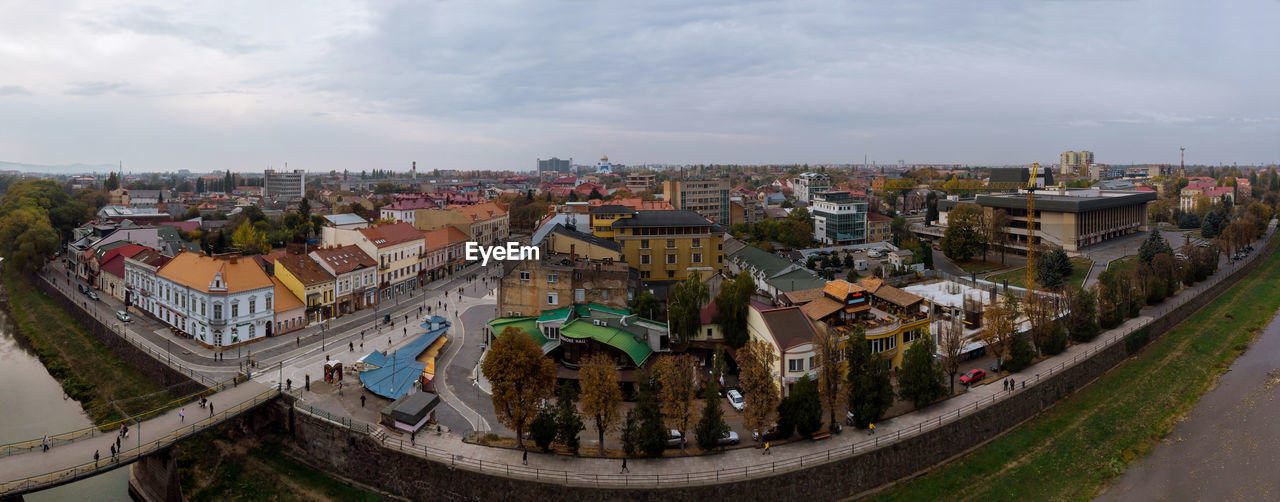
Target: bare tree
x=828 y=347
x=999 y=223
x=759 y=387
x=951 y=346
x=1000 y=323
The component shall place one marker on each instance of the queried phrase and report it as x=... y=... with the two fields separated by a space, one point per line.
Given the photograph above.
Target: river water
x=33 y=405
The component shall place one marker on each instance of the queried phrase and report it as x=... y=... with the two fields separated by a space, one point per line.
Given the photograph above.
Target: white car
x=729 y=438
x=735 y=399
x=674 y=438
x=123 y=316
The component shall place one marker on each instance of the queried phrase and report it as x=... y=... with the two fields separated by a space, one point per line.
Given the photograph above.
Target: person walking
x=210 y=409
x=45 y=443
x=766 y=449
x=113 y=453
x=95 y=458
x=182 y=415
x=362 y=400
x=413 y=435
x=871 y=428
x=117 y=441
x=524 y=458
x=624 y=467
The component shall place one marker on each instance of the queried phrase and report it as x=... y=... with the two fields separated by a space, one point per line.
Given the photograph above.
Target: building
x=561 y=280
x=285 y=186
x=355 y=274
x=119 y=197
x=879 y=227
x=808 y=184
x=397 y=247
x=140 y=278
x=839 y=218
x=405 y=209
x=111 y=269
x=310 y=282
x=345 y=221
x=219 y=301
x=1019 y=177
x=604 y=166
x=709 y=198
x=140 y=215
x=1071 y=219
x=290 y=312
x=572 y=242
x=570 y=334
x=486 y=223
x=446 y=252
x=791 y=335
x=745 y=210
x=640 y=182
x=1075 y=163
x=668 y=245
x=773 y=274
x=555 y=164
x=891 y=318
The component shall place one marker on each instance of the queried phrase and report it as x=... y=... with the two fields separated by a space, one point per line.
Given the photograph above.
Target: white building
x=284 y=185
x=220 y=301
x=806 y=184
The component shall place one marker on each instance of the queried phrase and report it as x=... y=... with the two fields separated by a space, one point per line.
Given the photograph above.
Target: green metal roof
x=614 y=337
x=554 y=315
x=527 y=324
x=602 y=308
x=581 y=310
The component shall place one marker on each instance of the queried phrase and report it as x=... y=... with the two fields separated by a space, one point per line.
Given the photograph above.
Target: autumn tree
x=759 y=389
x=521 y=378
x=249 y=240
x=829 y=356
x=868 y=385
x=951 y=346
x=678 y=377
x=999 y=321
x=1042 y=312
x=966 y=235
x=732 y=305
x=920 y=380
x=601 y=395
x=684 y=307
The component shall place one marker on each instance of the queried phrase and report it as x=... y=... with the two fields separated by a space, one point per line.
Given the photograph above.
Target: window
x=235 y=310
x=552 y=278
x=253 y=307
x=671 y=243
x=524 y=275
x=697 y=257
x=671 y=259
x=697 y=243
x=708 y=332
x=644 y=274
x=553 y=298
x=644 y=243
x=579 y=295
x=202 y=307
x=252 y=330
x=795 y=364
x=811 y=361
x=217 y=311
x=671 y=274
x=645 y=259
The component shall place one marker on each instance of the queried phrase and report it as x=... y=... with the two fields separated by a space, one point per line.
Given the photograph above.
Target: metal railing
x=62 y=476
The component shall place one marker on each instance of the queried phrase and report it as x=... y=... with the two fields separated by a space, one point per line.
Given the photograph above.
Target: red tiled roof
x=878 y=217
x=391 y=235
x=442 y=237
x=345 y=258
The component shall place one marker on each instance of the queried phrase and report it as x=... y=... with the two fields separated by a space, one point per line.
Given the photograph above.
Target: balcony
x=384 y=267
x=217 y=322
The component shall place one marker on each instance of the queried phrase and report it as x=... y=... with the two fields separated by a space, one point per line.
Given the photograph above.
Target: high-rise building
x=555 y=164
x=639 y=182
x=1075 y=163
x=709 y=198
x=839 y=218
x=284 y=185
x=808 y=184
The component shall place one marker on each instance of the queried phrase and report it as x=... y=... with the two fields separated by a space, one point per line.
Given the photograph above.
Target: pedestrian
x=524 y=459
x=406 y=330
x=1024 y=384
x=872 y=428
x=624 y=466
x=182 y=415
x=210 y=410
x=351 y=346
x=113 y=452
x=413 y=435
x=117 y=441
x=361 y=346
x=766 y=449
x=45 y=443
x=362 y=400
x=307 y=382
x=95 y=458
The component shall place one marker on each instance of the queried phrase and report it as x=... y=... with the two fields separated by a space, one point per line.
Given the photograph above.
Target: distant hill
x=77 y=168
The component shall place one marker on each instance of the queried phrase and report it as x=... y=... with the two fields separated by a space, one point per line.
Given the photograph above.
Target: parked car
x=735 y=399
x=123 y=316
x=973 y=376
x=674 y=438
x=84 y=290
x=93 y=296
x=729 y=438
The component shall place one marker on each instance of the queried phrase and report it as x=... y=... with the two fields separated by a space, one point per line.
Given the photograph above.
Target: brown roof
x=150 y=257
x=197 y=271
x=871 y=284
x=482 y=212
x=285 y=301
x=897 y=296
x=444 y=236
x=344 y=259
x=788 y=326
x=841 y=289
x=821 y=308
x=305 y=269
x=391 y=235
x=803 y=296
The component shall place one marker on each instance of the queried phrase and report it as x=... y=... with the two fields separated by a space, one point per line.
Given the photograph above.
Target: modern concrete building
x=1075 y=163
x=639 y=182
x=1071 y=219
x=709 y=198
x=839 y=218
x=285 y=186
x=808 y=184
x=555 y=164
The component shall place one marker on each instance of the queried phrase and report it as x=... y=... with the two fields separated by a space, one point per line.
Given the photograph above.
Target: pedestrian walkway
x=38 y=469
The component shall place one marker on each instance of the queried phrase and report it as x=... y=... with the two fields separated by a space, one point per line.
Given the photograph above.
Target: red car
x=973 y=376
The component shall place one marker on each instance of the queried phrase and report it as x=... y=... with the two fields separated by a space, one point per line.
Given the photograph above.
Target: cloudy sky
x=494 y=85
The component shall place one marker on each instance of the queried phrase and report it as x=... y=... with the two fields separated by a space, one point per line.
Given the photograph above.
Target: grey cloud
x=95 y=88
x=159 y=22
x=14 y=90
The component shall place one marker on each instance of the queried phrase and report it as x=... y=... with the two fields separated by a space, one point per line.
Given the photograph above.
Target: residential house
x=445 y=252
x=773 y=274
x=220 y=301
x=791 y=334
x=310 y=282
x=140 y=278
x=397 y=247
x=355 y=277
x=111 y=269
x=879 y=227
x=290 y=312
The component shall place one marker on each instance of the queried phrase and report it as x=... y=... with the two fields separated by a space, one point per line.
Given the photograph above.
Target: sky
x=324 y=85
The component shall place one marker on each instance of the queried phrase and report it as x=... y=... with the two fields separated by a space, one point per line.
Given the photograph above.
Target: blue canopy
x=393 y=374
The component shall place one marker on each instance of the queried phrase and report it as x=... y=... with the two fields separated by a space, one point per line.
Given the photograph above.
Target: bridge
x=70 y=458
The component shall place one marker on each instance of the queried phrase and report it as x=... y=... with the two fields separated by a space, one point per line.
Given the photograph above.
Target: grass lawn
x=1072 y=450
x=1125 y=263
x=89 y=371
x=1018 y=277
x=978 y=266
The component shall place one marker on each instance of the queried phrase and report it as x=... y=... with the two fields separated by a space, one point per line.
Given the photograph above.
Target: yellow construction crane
x=1031 y=227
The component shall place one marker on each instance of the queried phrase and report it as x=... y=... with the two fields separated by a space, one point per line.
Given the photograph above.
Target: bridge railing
x=20 y=447
x=87 y=469
x=872 y=442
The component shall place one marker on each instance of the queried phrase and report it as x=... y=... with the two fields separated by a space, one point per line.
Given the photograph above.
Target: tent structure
x=392 y=375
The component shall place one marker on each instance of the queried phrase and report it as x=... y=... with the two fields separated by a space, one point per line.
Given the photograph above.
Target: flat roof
x=1075 y=201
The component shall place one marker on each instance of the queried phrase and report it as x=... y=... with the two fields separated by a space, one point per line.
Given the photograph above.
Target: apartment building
x=397 y=247
x=561 y=280
x=808 y=184
x=640 y=182
x=355 y=273
x=487 y=223
x=668 y=245
x=284 y=186
x=219 y=301
x=709 y=198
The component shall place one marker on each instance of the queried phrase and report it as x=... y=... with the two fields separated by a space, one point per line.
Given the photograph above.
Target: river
x=34 y=406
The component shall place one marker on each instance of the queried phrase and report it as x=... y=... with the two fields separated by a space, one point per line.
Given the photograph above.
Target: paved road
x=1226 y=448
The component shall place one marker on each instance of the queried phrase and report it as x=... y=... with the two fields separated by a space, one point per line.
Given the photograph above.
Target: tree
x=931 y=215
x=1082 y=313
x=848 y=261
x=869 y=388
x=1188 y=220
x=200 y=185
x=112 y=183
x=644 y=304
x=249 y=240
x=920 y=380
x=1211 y=224
x=1020 y=354
x=595 y=195
x=630 y=433
x=711 y=427
x=1153 y=245
x=951 y=346
x=543 y=430
x=965 y=236
x=759 y=389
x=684 y=307
x=829 y=356
x=678 y=379
x=732 y=305
x=651 y=436
x=805 y=407
x=27 y=239
x=521 y=377
x=1000 y=321
x=568 y=422
x=1041 y=311
x=1053 y=270
x=601 y=395
x=999 y=231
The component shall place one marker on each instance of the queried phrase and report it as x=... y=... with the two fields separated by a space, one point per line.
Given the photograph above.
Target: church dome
x=604 y=158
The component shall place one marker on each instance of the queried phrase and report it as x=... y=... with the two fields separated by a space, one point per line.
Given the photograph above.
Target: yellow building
x=487 y=223
x=667 y=245
x=790 y=334
x=308 y=281
x=602 y=219
x=571 y=242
